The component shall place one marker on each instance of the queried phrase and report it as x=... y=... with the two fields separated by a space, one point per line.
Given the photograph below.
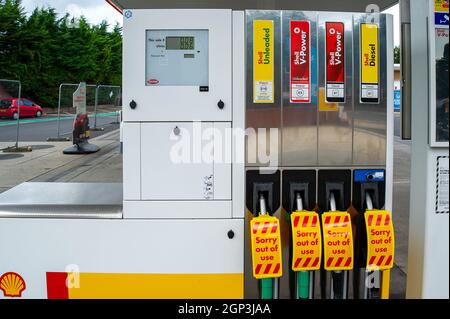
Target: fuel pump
x=299 y=201
x=334 y=201
x=263 y=201
x=371 y=280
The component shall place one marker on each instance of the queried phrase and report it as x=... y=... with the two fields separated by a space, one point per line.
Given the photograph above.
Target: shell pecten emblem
x=12 y=284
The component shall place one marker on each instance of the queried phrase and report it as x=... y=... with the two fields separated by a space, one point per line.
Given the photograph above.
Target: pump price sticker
x=263 y=67
x=338 y=240
x=335 y=70
x=307 y=241
x=380 y=240
x=266 y=247
x=300 y=75
x=369 y=63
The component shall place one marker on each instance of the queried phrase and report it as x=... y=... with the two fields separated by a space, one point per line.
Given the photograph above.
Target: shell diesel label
x=12 y=284
x=266 y=247
x=300 y=50
x=263 y=68
x=369 y=62
x=307 y=241
x=380 y=240
x=338 y=241
x=335 y=70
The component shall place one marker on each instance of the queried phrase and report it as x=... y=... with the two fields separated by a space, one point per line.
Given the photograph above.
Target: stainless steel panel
x=406 y=81
x=62 y=200
x=299 y=131
x=263 y=116
x=335 y=124
x=370 y=119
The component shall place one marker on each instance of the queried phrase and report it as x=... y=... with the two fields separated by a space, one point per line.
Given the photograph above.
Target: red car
x=9 y=106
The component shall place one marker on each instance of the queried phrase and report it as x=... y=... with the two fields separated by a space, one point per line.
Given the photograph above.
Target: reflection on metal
x=335 y=119
x=299 y=120
x=62 y=200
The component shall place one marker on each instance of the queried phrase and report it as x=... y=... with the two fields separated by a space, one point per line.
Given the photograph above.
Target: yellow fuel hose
x=385 y=279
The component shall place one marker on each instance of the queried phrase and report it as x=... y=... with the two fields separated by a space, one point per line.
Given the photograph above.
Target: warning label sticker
x=335 y=70
x=338 y=241
x=263 y=67
x=380 y=240
x=266 y=247
x=300 y=50
x=307 y=241
x=369 y=62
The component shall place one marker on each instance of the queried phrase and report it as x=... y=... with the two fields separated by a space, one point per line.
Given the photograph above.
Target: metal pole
x=95 y=106
x=18 y=115
x=59 y=107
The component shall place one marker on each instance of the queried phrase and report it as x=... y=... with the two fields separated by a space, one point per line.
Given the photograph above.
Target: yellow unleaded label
x=263 y=67
x=307 y=241
x=369 y=53
x=266 y=247
x=338 y=241
x=380 y=240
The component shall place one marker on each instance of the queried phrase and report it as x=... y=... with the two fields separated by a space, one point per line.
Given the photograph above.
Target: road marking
x=49 y=119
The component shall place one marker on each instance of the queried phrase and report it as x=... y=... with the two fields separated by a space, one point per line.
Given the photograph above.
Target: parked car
x=9 y=108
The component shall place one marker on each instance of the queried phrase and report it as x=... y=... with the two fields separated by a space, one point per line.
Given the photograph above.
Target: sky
x=97 y=10
x=94 y=10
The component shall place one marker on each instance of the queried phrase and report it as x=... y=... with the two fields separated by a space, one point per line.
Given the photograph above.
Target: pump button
x=220 y=104
x=133 y=104
x=230 y=234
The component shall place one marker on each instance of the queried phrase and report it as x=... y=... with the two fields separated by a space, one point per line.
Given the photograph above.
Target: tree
x=397 y=54
x=43 y=51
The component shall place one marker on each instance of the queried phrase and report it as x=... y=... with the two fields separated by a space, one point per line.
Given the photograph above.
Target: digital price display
x=179 y=43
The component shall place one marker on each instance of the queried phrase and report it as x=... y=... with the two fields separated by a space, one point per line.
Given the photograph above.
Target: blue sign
x=441 y=18
x=397 y=98
x=368 y=175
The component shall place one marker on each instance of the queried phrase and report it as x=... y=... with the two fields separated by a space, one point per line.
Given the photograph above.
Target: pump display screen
x=177 y=57
x=180 y=43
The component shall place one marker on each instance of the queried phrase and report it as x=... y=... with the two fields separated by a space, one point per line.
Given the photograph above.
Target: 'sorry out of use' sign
x=369 y=63
x=266 y=247
x=380 y=240
x=337 y=240
x=306 y=240
x=263 y=67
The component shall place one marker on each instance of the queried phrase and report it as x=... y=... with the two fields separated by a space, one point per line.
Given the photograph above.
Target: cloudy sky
x=97 y=10
x=94 y=10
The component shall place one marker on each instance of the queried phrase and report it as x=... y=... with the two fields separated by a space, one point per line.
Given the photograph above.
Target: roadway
x=34 y=130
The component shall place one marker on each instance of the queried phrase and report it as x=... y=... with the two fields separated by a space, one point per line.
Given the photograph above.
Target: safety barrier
x=94 y=96
x=5 y=91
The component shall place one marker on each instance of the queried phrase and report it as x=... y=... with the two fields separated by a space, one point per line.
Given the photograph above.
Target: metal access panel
x=263 y=95
x=300 y=88
x=373 y=88
x=177 y=65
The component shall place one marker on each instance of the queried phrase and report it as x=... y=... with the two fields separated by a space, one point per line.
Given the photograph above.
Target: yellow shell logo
x=12 y=284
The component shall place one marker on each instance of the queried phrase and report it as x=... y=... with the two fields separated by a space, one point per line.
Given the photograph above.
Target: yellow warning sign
x=266 y=247
x=380 y=240
x=338 y=241
x=263 y=66
x=441 y=5
x=369 y=53
x=307 y=241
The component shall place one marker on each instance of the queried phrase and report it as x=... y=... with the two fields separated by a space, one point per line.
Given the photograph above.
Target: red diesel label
x=335 y=71
x=300 y=80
